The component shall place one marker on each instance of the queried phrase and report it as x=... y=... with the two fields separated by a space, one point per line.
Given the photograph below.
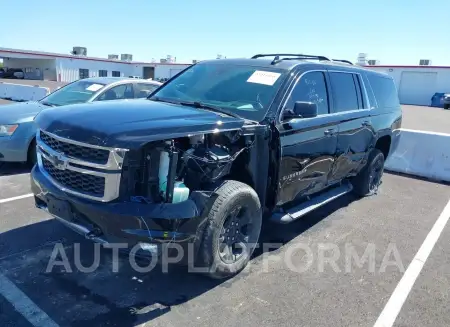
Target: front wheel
x=32 y=156
x=446 y=106
x=232 y=230
x=368 y=180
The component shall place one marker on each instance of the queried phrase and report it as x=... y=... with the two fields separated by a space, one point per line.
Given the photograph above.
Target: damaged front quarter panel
x=199 y=163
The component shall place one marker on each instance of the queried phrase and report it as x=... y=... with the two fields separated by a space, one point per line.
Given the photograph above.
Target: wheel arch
x=383 y=144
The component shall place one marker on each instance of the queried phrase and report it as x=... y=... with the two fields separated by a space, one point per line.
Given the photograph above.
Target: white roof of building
x=70 y=56
x=403 y=66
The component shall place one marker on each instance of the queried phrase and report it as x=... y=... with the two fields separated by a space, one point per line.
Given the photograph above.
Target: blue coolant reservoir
x=180 y=192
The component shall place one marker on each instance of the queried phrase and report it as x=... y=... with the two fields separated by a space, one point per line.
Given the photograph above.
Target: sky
x=394 y=32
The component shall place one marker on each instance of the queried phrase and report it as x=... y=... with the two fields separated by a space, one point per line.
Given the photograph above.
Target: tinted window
x=243 y=90
x=102 y=73
x=344 y=92
x=384 y=90
x=144 y=90
x=358 y=91
x=120 y=92
x=312 y=87
x=115 y=73
x=369 y=92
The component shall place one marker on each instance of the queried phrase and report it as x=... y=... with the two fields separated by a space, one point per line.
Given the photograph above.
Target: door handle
x=329 y=132
x=365 y=123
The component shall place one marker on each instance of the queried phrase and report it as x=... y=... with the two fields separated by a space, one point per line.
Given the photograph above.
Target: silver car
x=17 y=128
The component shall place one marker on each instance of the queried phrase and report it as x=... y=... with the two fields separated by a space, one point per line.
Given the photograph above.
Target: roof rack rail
x=295 y=56
x=343 y=60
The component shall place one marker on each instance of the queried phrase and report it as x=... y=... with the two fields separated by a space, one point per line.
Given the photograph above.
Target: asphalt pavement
x=277 y=289
x=428 y=119
x=291 y=285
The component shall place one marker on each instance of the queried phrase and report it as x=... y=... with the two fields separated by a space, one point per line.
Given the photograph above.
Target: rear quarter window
x=384 y=91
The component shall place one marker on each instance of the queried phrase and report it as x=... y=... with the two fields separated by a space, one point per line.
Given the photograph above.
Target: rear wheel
x=368 y=180
x=32 y=156
x=446 y=106
x=232 y=231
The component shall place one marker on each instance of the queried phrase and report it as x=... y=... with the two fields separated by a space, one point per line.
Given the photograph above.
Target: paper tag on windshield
x=94 y=87
x=262 y=77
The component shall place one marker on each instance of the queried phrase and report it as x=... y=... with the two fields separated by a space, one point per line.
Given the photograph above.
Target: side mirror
x=305 y=109
x=301 y=110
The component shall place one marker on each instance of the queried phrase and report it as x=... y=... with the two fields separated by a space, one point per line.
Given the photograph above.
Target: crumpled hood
x=131 y=123
x=20 y=112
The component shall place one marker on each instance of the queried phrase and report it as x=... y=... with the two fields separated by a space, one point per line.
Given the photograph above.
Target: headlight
x=7 y=130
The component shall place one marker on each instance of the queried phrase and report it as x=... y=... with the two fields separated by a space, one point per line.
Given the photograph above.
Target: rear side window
x=143 y=90
x=346 y=92
x=384 y=90
x=312 y=87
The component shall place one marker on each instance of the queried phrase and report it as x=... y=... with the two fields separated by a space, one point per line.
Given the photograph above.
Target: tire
x=368 y=180
x=446 y=106
x=32 y=156
x=235 y=211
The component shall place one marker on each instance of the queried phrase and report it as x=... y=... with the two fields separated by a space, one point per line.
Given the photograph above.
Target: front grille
x=83 y=183
x=98 y=156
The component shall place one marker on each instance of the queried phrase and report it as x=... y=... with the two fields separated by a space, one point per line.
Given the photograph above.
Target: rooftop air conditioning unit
x=163 y=61
x=113 y=57
x=79 y=51
x=126 y=57
x=425 y=62
x=362 y=59
x=373 y=62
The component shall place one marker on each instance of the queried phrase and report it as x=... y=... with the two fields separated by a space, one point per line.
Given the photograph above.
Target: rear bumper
x=132 y=223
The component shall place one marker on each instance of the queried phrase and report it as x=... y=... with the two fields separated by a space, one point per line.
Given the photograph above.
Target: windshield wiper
x=201 y=105
x=158 y=99
x=48 y=104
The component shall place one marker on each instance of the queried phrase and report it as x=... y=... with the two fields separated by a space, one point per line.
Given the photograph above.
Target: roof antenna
x=275 y=60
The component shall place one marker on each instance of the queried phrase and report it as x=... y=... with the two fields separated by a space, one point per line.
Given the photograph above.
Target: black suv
x=218 y=149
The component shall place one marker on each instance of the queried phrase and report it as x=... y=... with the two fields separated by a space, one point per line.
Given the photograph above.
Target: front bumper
x=13 y=149
x=132 y=223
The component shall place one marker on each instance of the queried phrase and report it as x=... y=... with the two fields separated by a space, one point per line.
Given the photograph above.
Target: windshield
x=246 y=91
x=77 y=92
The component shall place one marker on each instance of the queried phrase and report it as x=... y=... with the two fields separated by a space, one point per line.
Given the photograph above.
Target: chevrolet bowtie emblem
x=59 y=162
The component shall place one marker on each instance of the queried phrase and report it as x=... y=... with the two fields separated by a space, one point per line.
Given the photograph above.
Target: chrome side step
x=308 y=206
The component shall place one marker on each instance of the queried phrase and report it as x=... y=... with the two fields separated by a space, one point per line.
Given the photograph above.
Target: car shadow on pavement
x=13 y=168
x=115 y=297
x=278 y=234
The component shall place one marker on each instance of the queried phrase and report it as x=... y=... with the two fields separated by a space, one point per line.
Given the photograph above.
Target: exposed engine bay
x=168 y=171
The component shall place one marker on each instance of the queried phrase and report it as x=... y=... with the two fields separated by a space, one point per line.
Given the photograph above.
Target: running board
x=308 y=206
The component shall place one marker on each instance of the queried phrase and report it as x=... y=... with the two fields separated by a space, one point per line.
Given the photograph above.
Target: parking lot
x=275 y=290
x=52 y=85
x=428 y=119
